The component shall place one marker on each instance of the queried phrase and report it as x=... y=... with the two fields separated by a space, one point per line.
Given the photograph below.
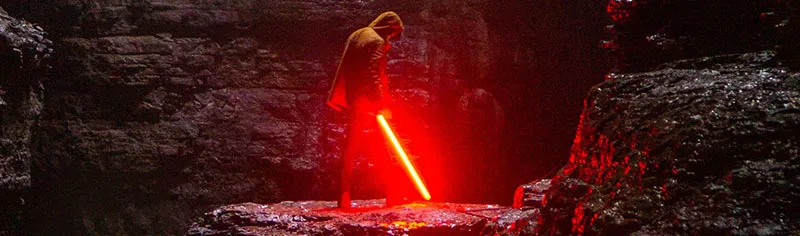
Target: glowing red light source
x=409 y=167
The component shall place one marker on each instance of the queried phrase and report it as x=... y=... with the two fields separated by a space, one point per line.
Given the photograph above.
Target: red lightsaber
x=409 y=167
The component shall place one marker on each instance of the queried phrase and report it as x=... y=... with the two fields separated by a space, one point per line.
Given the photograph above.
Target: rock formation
x=704 y=146
x=24 y=57
x=368 y=218
x=644 y=34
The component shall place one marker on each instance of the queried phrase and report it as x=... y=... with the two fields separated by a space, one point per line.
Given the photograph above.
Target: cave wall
x=547 y=56
x=704 y=145
x=162 y=109
x=645 y=34
x=24 y=57
x=701 y=146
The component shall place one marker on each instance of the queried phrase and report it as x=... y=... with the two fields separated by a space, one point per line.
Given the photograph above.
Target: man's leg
x=393 y=175
x=355 y=133
x=395 y=184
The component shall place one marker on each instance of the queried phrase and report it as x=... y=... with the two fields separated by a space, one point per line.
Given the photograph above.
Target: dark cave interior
x=137 y=117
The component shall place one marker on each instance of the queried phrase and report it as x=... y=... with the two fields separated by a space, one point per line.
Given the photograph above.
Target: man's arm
x=379 y=87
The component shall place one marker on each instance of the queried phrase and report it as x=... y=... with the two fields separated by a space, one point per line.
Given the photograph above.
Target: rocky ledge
x=369 y=217
x=704 y=146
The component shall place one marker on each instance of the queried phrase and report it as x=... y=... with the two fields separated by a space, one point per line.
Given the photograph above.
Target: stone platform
x=368 y=217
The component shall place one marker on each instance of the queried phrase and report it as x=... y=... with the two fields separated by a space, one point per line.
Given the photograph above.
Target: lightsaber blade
x=399 y=149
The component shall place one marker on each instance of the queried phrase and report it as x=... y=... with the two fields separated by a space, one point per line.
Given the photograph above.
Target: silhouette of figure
x=361 y=91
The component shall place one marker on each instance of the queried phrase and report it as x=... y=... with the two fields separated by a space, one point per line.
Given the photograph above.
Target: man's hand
x=386 y=113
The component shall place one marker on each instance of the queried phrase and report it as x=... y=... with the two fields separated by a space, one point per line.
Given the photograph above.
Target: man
x=361 y=91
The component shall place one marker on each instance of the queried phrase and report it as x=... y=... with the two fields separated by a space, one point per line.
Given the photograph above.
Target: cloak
x=361 y=83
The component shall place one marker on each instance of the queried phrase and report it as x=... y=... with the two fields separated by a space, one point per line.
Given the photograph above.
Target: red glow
x=404 y=224
x=409 y=167
x=577 y=220
x=519 y=197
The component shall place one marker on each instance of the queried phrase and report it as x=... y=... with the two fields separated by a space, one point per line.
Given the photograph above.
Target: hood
x=388 y=22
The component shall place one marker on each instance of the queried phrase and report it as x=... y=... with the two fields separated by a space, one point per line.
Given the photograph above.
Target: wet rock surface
x=24 y=52
x=24 y=57
x=531 y=194
x=368 y=217
x=704 y=146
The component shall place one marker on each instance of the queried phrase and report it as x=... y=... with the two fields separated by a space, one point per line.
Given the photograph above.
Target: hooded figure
x=361 y=91
x=361 y=83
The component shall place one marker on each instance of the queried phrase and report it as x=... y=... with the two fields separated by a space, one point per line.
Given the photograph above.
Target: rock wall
x=703 y=146
x=24 y=57
x=645 y=34
x=700 y=146
x=162 y=109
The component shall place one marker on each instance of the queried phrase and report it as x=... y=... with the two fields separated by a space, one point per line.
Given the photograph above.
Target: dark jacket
x=361 y=83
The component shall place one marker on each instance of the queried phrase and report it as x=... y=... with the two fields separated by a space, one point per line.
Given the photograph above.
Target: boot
x=344 y=200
